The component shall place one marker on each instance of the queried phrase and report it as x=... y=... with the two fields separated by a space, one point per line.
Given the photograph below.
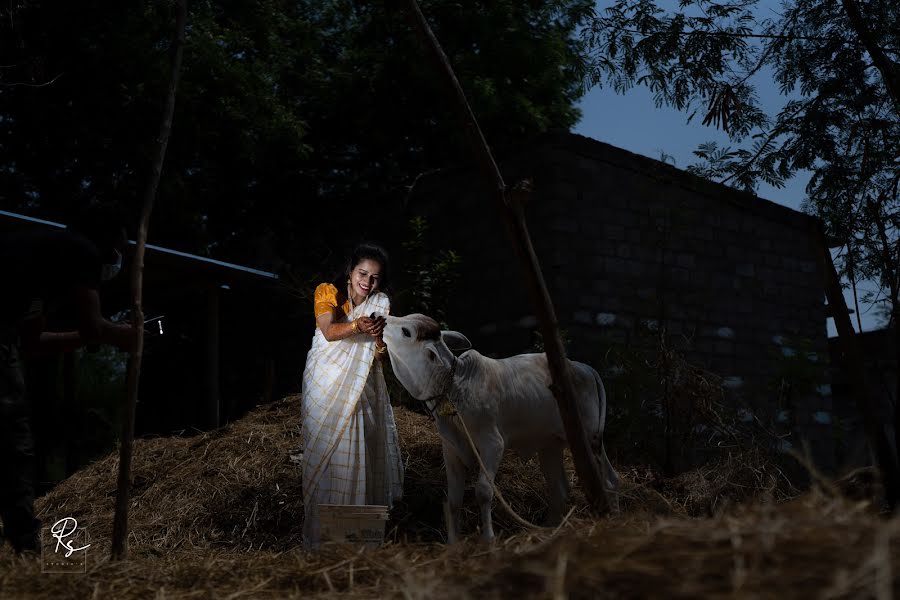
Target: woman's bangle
x=380 y=349
x=354 y=327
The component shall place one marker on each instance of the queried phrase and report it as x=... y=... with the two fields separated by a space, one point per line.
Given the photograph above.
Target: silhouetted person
x=39 y=270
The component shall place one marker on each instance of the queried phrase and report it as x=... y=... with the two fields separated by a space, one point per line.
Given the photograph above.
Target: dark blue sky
x=632 y=121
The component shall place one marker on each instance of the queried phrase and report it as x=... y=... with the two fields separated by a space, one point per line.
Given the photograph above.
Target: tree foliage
x=432 y=274
x=840 y=120
x=836 y=64
x=291 y=115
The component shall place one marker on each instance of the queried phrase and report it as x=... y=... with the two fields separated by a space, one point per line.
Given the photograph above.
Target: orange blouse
x=326 y=300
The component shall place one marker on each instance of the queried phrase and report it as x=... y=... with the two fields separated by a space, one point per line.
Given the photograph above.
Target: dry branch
x=587 y=466
x=885 y=456
x=120 y=522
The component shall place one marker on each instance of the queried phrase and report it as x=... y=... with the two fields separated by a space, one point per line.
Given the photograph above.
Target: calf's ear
x=456 y=341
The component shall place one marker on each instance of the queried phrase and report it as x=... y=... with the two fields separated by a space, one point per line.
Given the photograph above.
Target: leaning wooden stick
x=885 y=457
x=120 y=521
x=586 y=464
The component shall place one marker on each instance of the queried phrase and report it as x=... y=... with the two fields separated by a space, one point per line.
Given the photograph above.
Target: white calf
x=505 y=403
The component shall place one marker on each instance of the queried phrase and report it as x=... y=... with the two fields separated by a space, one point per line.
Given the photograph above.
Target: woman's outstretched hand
x=370 y=326
x=378 y=328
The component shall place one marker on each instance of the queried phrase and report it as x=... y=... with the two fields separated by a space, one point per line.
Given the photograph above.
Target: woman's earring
x=348 y=281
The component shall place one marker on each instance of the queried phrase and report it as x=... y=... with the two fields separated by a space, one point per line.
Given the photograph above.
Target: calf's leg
x=456 y=481
x=611 y=480
x=554 y=472
x=490 y=446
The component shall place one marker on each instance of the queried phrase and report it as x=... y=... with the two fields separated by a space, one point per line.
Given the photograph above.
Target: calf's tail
x=601 y=399
x=610 y=477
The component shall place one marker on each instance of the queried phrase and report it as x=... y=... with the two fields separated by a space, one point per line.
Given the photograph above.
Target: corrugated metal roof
x=169 y=252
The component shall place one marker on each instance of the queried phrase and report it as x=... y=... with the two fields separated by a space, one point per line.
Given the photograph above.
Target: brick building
x=630 y=247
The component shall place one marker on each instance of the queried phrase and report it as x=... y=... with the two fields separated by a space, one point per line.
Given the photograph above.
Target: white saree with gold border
x=351 y=449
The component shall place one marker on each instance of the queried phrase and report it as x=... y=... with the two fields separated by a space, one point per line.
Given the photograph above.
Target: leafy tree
x=298 y=128
x=836 y=64
x=91 y=131
x=430 y=275
x=294 y=117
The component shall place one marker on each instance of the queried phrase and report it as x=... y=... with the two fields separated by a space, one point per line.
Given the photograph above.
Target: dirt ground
x=220 y=515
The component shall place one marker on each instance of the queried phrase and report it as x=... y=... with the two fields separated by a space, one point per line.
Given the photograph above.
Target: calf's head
x=421 y=354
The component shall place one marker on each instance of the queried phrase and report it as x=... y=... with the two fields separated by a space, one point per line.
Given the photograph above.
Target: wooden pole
x=74 y=432
x=856 y=372
x=586 y=464
x=213 y=400
x=120 y=520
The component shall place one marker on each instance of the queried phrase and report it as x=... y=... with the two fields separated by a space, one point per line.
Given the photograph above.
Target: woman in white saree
x=351 y=453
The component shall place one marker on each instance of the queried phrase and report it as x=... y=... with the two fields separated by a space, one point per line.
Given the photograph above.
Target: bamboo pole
x=586 y=464
x=120 y=520
x=856 y=373
x=213 y=396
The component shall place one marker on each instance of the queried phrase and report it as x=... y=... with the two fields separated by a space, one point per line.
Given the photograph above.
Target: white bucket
x=353 y=524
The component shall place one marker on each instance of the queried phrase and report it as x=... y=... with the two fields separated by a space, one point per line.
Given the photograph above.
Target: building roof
x=662 y=171
x=620 y=158
x=158 y=258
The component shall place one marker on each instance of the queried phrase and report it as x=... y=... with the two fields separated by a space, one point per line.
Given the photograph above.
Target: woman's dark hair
x=368 y=251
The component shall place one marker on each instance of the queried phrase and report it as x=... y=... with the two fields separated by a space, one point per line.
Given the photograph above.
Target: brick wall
x=629 y=246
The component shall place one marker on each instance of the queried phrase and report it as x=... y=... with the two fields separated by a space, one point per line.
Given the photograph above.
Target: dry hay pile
x=220 y=515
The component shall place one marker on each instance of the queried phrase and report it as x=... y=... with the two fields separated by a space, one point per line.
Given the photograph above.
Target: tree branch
x=120 y=520
x=586 y=465
x=885 y=457
x=767 y=36
x=769 y=137
x=890 y=72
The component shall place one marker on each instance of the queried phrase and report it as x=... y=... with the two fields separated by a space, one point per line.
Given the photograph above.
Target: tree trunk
x=884 y=455
x=586 y=464
x=889 y=70
x=120 y=521
x=896 y=399
x=851 y=272
x=213 y=397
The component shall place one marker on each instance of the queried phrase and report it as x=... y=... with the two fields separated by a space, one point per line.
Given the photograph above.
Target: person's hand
x=370 y=326
x=378 y=327
x=380 y=346
x=365 y=325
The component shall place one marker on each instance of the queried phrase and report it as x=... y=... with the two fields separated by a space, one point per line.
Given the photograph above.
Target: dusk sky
x=633 y=122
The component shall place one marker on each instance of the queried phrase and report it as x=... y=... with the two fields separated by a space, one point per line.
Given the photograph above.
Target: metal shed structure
x=208 y=365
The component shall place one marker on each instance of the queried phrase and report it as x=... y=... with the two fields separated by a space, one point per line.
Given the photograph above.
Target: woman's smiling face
x=365 y=277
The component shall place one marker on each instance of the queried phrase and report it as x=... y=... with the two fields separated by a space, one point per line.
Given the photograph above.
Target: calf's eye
x=405 y=332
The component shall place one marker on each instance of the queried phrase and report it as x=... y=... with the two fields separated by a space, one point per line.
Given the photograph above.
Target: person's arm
x=53 y=342
x=335 y=331
x=339 y=331
x=92 y=327
x=380 y=348
x=38 y=343
x=30 y=334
